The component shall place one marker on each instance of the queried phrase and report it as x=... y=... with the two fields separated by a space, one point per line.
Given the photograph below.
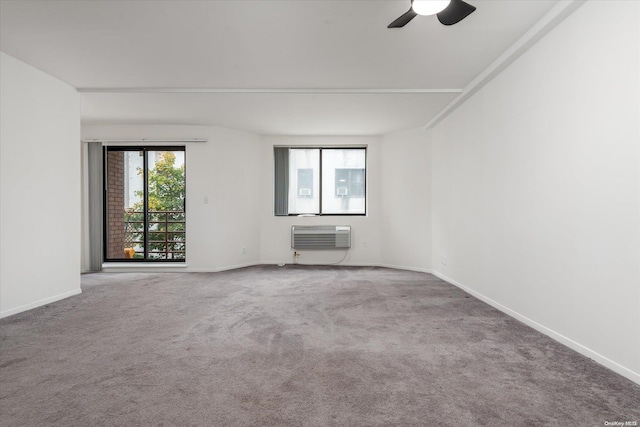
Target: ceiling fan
x=449 y=12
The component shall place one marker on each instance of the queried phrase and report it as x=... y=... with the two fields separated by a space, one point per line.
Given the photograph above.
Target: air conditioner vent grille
x=320 y=237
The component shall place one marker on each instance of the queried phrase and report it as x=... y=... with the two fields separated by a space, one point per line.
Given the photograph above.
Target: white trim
x=39 y=303
x=585 y=351
x=404 y=267
x=134 y=265
x=312 y=146
x=153 y=267
x=302 y=264
x=108 y=142
x=125 y=90
x=143 y=267
x=548 y=22
x=219 y=269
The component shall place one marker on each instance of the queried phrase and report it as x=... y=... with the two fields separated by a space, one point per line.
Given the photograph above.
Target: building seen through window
x=320 y=181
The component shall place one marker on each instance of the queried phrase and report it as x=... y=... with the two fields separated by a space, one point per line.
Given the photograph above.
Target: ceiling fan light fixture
x=429 y=7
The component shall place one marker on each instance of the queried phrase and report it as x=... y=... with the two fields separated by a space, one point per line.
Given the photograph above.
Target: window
x=305 y=182
x=350 y=182
x=144 y=194
x=320 y=181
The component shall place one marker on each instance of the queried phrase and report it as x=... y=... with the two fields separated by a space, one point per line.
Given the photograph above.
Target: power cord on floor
x=346 y=252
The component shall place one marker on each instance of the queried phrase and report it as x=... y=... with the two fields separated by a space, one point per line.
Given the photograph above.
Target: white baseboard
x=585 y=351
x=404 y=267
x=141 y=267
x=39 y=303
x=342 y=264
x=219 y=269
x=134 y=265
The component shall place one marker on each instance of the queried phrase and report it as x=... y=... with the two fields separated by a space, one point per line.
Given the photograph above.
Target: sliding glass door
x=144 y=193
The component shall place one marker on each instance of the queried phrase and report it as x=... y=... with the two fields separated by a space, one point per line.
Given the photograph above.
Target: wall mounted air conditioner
x=321 y=236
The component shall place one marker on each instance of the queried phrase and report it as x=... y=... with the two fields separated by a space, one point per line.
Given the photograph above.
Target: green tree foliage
x=166 y=184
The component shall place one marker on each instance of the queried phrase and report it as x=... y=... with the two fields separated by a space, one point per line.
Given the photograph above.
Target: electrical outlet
x=244 y=251
x=365 y=244
x=205 y=200
x=443 y=259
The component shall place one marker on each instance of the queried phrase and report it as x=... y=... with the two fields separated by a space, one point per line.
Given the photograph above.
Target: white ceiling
x=122 y=46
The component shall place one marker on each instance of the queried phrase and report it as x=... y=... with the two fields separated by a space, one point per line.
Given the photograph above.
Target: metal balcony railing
x=166 y=234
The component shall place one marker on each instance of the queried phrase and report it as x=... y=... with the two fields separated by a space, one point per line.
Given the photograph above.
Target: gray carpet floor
x=317 y=346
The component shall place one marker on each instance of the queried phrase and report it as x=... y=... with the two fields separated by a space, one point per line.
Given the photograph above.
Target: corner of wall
x=39 y=200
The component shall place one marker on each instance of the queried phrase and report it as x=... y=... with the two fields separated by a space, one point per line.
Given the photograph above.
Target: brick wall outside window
x=115 y=204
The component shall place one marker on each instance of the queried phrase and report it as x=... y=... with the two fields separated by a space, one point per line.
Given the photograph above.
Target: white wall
x=536 y=187
x=222 y=232
x=406 y=195
x=366 y=244
x=235 y=170
x=40 y=190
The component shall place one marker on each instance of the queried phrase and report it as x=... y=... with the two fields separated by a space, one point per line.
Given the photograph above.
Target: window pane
x=125 y=220
x=304 y=181
x=134 y=203
x=343 y=181
x=350 y=182
x=166 y=217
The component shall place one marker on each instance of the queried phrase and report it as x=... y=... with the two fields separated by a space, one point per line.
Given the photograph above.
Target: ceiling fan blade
x=403 y=20
x=455 y=12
